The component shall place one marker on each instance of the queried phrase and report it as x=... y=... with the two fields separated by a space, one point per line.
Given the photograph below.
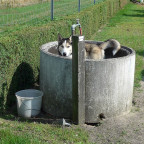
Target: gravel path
x=127 y=129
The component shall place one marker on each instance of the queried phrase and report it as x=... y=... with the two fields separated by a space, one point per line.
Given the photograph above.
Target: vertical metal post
x=78 y=79
x=94 y=1
x=52 y=10
x=79 y=5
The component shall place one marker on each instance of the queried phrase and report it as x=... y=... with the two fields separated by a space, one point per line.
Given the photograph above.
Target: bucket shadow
x=23 y=78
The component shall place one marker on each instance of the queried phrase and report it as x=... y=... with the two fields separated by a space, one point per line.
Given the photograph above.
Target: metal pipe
x=74 y=26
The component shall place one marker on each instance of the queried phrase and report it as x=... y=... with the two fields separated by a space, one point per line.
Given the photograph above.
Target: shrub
x=20 y=54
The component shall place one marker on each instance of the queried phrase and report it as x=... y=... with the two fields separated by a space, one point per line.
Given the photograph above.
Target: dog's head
x=65 y=46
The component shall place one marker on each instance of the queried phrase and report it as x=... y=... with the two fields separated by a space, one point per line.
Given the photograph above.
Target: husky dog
x=96 y=52
x=65 y=46
x=92 y=51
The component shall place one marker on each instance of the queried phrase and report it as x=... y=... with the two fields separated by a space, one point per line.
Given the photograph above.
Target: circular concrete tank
x=109 y=83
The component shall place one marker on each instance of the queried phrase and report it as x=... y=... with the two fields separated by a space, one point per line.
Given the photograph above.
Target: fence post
x=78 y=79
x=52 y=10
x=79 y=5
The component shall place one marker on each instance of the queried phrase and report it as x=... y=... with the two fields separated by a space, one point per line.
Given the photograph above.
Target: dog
x=92 y=51
x=65 y=46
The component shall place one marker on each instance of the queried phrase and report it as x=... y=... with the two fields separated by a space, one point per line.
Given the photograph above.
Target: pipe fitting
x=75 y=25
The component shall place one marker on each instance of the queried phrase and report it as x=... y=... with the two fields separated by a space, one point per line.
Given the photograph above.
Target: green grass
x=128 y=28
x=40 y=13
x=17 y=132
x=19 y=15
x=7 y=137
x=14 y=19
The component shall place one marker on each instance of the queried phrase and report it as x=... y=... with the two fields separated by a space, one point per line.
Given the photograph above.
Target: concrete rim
x=44 y=48
x=48 y=46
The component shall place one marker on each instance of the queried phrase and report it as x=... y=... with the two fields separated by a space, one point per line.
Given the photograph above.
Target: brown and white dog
x=92 y=51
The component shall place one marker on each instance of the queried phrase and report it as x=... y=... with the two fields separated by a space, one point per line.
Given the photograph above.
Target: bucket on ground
x=29 y=102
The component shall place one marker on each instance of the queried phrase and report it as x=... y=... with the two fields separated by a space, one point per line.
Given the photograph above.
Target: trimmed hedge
x=20 y=54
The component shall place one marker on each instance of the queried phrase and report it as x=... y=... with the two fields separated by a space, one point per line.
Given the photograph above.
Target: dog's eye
x=68 y=46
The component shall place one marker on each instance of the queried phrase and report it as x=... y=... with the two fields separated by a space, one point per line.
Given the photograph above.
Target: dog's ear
x=59 y=37
x=70 y=39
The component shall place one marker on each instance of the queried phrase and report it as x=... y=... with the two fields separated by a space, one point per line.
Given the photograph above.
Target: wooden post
x=78 y=79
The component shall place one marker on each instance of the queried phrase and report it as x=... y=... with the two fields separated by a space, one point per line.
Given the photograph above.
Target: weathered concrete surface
x=56 y=82
x=109 y=84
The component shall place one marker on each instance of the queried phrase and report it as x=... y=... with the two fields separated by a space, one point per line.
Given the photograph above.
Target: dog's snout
x=64 y=54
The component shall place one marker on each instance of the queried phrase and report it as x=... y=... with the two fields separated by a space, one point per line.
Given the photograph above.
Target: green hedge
x=19 y=51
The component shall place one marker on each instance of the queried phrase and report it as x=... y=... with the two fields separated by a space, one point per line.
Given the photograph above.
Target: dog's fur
x=65 y=46
x=92 y=51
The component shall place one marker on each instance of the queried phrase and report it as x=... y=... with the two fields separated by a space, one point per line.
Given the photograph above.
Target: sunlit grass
x=41 y=12
x=128 y=28
x=27 y=132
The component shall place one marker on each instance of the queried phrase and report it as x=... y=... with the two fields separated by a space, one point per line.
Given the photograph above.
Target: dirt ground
x=127 y=129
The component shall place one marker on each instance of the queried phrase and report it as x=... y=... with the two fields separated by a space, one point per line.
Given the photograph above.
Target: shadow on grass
x=134 y=15
x=43 y=117
x=140 y=52
x=138 y=13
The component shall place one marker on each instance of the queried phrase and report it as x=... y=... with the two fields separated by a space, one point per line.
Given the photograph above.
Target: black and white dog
x=92 y=51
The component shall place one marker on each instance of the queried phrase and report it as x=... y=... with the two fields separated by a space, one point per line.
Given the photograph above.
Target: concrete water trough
x=108 y=83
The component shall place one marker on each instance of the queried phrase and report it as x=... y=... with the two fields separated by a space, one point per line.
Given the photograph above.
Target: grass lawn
x=13 y=19
x=127 y=27
x=19 y=131
x=41 y=13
